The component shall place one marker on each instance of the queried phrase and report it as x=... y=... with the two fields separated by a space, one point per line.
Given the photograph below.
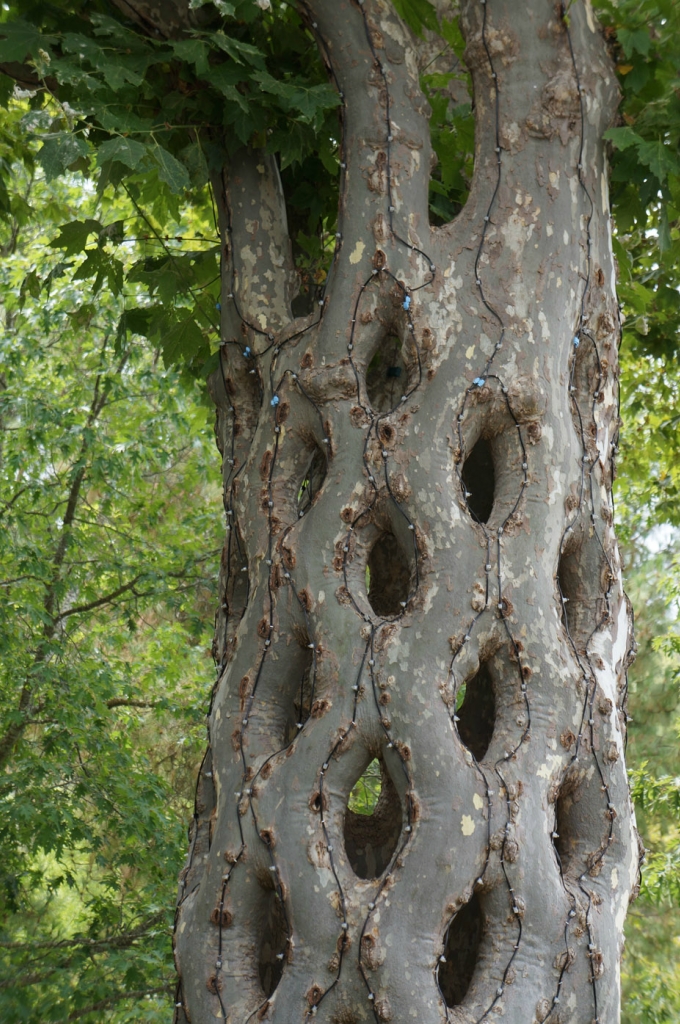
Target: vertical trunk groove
x=420 y=565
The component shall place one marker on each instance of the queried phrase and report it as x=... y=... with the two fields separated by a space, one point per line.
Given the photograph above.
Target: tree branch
x=386 y=150
x=129 y=702
x=254 y=231
x=25 y=76
x=125 y=939
x=166 y=18
x=100 y=601
x=103 y=1003
x=15 y=730
x=8 y=504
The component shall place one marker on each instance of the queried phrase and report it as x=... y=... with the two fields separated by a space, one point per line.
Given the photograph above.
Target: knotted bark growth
x=447 y=419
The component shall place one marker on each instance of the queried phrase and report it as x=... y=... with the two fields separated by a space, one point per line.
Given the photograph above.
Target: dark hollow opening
x=477 y=712
x=388 y=576
x=479 y=479
x=460 y=953
x=312 y=479
x=273 y=944
x=386 y=375
x=373 y=822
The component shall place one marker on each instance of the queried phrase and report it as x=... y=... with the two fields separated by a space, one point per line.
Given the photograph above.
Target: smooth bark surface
x=447 y=419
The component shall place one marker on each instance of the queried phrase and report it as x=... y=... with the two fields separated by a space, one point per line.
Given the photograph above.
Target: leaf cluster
x=108 y=552
x=645 y=167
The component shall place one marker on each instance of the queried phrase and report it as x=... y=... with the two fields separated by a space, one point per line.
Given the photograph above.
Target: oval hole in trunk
x=388 y=576
x=461 y=948
x=373 y=822
x=386 y=375
x=476 y=710
x=479 y=479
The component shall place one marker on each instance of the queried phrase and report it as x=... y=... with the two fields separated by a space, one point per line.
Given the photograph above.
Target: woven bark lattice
x=447 y=419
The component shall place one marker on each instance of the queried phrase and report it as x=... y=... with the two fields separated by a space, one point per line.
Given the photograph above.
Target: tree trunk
x=420 y=565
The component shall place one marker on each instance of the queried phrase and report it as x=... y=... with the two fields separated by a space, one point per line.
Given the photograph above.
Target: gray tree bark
x=447 y=419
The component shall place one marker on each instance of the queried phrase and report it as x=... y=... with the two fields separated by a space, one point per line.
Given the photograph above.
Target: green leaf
x=182 y=342
x=125 y=151
x=73 y=236
x=102 y=267
x=117 y=118
x=133 y=321
x=114 y=232
x=623 y=260
x=639 y=297
x=313 y=99
x=193 y=158
x=83 y=315
x=622 y=138
x=634 y=40
x=450 y=31
x=30 y=285
x=308 y=100
x=59 y=152
x=225 y=78
x=5 y=205
x=193 y=51
x=113 y=30
x=661 y=159
x=83 y=47
x=172 y=172
x=237 y=49
x=118 y=75
x=19 y=40
x=418 y=14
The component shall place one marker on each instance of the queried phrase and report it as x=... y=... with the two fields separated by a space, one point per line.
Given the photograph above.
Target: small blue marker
x=479 y=381
x=577 y=342
x=246 y=351
x=218 y=305
x=275 y=400
x=407 y=302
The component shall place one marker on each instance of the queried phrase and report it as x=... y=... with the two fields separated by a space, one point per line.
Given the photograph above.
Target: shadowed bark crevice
x=301 y=704
x=566 y=838
x=234 y=570
x=312 y=479
x=581 y=585
x=273 y=944
x=585 y=376
x=584 y=821
x=461 y=949
x=371 y=839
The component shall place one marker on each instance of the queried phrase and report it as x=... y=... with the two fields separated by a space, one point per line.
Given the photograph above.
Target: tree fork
x=447 y=420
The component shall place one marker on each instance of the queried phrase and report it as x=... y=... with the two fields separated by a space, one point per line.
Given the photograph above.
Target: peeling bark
x=475 y=483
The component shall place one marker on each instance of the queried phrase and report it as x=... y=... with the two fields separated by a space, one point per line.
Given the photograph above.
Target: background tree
x=296 y=463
